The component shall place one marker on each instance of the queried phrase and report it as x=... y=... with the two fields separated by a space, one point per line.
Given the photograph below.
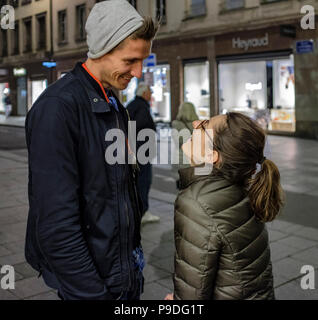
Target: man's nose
x=137 y=70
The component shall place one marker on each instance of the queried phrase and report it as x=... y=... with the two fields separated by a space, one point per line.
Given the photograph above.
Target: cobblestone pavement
x=293 y=237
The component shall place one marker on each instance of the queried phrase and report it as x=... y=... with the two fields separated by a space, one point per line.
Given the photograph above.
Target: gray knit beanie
x=109 y=23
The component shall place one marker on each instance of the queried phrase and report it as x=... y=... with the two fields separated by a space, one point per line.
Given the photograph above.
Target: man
x=83 y=232
x=139 y=111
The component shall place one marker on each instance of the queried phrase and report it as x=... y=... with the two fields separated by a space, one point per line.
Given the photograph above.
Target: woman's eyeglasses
x=202 y=125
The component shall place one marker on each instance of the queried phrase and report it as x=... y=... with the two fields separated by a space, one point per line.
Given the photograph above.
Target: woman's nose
x=195 y=123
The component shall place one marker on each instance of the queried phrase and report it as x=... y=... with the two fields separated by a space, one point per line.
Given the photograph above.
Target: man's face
x=147 y=95
x=124 y=63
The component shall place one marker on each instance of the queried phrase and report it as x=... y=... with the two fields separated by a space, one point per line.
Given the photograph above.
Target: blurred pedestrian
x=186 y=115
x=83 y=232
x=7 y=102
x=222 y=246
x=139 y=111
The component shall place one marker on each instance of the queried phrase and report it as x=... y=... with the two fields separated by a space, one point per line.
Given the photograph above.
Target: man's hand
x=169 y=296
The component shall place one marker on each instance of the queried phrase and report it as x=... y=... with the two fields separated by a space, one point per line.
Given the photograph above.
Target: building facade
x=251 y=56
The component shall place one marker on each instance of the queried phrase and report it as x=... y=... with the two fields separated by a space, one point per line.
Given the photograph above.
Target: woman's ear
x=213 y=157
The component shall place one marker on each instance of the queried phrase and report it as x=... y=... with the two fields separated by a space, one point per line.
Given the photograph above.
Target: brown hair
x=240 y=142
x=146 y=32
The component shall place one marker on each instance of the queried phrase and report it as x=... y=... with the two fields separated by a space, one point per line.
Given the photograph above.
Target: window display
x=197 y=87
x=283 y=112
x=261 y=89
x=4 y=88
x=38 y=86
x=158 y=78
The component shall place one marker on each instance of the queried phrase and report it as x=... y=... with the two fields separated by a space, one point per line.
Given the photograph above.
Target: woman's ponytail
x=265 y=192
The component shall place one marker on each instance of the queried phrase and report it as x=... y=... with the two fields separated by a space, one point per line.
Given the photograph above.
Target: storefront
x=197 y=86
x=20 y=79
x=30 y=80
x=4 y=90
x=256 y=77
x=37 y=87
x=158 y=78
x=4 y=87
x=262 y=88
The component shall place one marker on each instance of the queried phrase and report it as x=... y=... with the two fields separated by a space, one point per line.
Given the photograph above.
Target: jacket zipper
x=133 y=172
x=128 y=221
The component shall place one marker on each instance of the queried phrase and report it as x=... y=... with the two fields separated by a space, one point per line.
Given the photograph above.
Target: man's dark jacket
x=139 y=111
x=84 y=217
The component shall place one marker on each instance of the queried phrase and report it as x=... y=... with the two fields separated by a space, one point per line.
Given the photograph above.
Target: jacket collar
x=189 y=176
x=94 y=92
x=143 y=100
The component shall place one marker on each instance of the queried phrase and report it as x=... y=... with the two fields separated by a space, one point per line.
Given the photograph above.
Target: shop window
x=158 y=78
x=197 y=87
x=263 y=90
x=4 y=89
x=161 y=11
x=27 y=35
x=16 y=39
x=41 y=27
x=37 y=87
x=4 y=43
x=80 y=22
x=62 y=26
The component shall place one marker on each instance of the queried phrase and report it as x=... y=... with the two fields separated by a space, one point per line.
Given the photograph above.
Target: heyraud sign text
x=250 y=43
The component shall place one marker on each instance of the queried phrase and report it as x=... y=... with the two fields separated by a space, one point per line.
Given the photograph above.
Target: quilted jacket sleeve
x=198 y=247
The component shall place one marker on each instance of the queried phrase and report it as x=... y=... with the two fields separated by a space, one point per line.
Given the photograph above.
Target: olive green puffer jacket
x=222 y=250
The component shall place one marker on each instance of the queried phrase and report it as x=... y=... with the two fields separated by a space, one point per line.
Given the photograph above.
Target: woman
x=183 y=122
x=222 y=247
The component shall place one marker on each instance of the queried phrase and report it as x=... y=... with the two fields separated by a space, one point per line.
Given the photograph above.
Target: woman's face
x=199 y=148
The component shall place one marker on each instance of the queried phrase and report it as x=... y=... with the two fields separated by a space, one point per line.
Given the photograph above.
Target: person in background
x=186 y=115
x=7 y=103
x=221 y=241
x=139 y=111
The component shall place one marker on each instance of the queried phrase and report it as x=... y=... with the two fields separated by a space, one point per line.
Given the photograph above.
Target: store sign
x=151 y=61
x=253 y=86
x=19 y=72
x=238 y=43
x=49 y=64
x=305 y=46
